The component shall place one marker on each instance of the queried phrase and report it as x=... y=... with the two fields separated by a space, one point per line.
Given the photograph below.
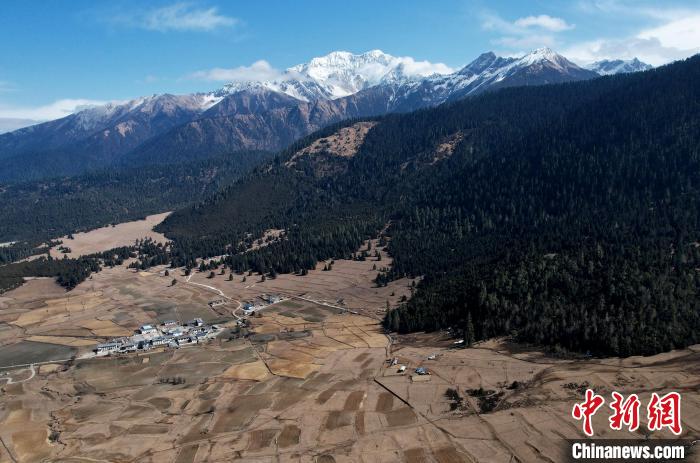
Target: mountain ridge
x=307 y=97
x=564 y=217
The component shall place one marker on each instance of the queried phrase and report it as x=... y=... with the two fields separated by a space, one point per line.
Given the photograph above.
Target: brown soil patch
x=400 y=417
x=337 y=419
x=360 y=422
x=255 y=371
x=241 y=410
x=385 y=402
x=361 y=357
x=197 y=431
x=161 y=403
x=288 y=398
x=31 y=445
x=261 y=438
x=289 y=436
x=292 y=369
x=447 y=146
x=50 y=368
x=149 y=429
x=105 y=328
x=354 y=401
x=187 y=454
x=415 y=456
x=345 y=142
x=449 y=455
x=325 y=395
x=63 y=340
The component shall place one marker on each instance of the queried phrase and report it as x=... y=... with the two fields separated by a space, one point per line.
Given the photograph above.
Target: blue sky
x=56 y=56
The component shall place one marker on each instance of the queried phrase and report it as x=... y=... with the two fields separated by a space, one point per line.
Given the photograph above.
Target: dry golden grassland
x=311 y=382
x=102 y=239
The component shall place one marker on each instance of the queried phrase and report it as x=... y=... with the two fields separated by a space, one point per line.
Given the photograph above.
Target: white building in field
x=147 y=329
x=107 y=347
x=168 y=334
x=128 y=347
x=159 y=341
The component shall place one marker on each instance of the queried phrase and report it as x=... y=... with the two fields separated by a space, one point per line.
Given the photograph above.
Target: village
x=174 y=334
x=170 y=333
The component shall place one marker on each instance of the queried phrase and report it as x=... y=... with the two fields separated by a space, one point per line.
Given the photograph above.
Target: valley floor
x=312 y=381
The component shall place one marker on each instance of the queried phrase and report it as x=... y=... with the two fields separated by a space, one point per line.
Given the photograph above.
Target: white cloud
x=258 y=71
x=527 y=32
x=674 y=39
x=422 y=68
x=682 y=33
x=544 y=21
x=179 y=16
x=493 y=22
x=262 y=70
x=11 y=124
x=55 y=110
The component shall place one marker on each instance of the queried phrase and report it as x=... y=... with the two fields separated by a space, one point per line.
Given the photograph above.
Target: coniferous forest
x=565 y=216
x=70 y=204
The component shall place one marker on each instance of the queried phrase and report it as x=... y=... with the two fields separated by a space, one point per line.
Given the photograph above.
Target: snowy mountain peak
x=342 y=73
x=484 y=62
x=617 y=66
x=548 y=56
x=544 y=53
x=342 y=61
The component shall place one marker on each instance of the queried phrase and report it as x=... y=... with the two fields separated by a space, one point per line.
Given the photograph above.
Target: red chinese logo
x=665 y=412
x=625 y=412
x=587 y=409
x=662 y=412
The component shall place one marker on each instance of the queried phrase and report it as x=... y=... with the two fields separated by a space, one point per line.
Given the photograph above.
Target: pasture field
x=350 y=284
x=309 y=382
x=101 y=239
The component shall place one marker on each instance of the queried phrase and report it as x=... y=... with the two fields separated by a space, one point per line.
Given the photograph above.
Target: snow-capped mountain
x=618 y=66
x=267 y=114
x=340 y=74
x=96 y=136
x=488 y=72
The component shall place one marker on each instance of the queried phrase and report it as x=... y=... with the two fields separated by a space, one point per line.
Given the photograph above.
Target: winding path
x=30 y=368
x=219 y=292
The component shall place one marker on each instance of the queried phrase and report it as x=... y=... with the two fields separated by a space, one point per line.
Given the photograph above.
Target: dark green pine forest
x=43 y=209
x=567 y=216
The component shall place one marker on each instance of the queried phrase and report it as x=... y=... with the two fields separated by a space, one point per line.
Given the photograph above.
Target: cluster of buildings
x=250 y=308
x=170 y=333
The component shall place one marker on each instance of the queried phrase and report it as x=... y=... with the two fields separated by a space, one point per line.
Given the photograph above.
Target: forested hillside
x=563 y=215
x=65 y=205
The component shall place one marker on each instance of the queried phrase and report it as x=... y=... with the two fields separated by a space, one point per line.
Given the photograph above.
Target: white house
x=128 y=347
x=159 y=341
x=147 y=329
x=107 y=347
